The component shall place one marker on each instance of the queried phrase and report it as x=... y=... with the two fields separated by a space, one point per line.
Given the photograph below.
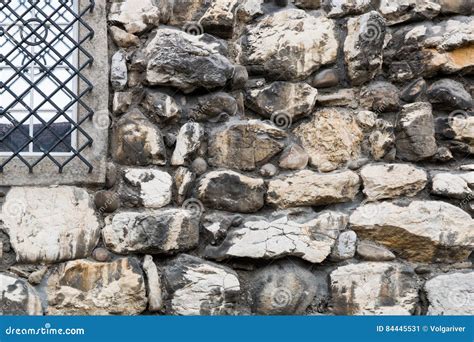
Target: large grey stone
x=214 y=107
x=332 y=138
x=451 y=294
x=423 y=231
x=415 y=132
x=450 y=185
x=185 y=61
x=199 y=287
x=392 y=180
x=189 y=139
x=294 y=100
x=244 y=144
x=336 y=9
x=136 y=141
x=429 y=48
x=231 y=191
x=279 y=46
x=310 y=238
x=153 y=232
x=380 y=97
x=83 y=287
x=449 y=94
x=136 y=15
x=118 y=71
x=308 y=188
x=18 y=297
x=363 y=46
x=282 y=288
x=374 y=288
x=398 y=11
x=147 y=187
x=48 y=225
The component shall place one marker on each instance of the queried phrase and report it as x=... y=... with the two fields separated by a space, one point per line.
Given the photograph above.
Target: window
x=47 y=103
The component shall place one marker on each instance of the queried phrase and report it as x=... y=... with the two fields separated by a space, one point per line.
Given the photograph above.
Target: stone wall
x=266 y=158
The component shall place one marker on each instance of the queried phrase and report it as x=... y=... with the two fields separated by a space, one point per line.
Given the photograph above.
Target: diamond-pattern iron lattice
x=42 y=87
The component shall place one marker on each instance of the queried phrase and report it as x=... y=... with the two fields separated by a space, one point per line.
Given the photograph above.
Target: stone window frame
x=45 y=173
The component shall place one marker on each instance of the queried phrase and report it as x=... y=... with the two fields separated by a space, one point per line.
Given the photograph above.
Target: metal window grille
x=41 y=85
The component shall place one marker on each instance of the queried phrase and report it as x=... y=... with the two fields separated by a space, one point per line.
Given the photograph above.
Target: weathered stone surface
x=136 y=15
x=463 y=128
x=340 y=98
x=151 y=188
x=154 y=232
x=392 y=180
x=294 y=157
x=456 y=6
x=189 y=140
x=218 y=20
x=450 y=185
x=307 y=237
x=18 y=297
x=363 y=46
x=398 y=11
x=449 y=94
x=332 y=138
x=374 y=288
x=308 y=188
x=199 y=287
x=118 y=71
x=338 y=9
x=136 y=141
x=366 y=119
x=48 y=225
x=153 y=284
x=380 y=97
x=415 y=139
x=283 y=288
x=450 y=294
x=122 y=101
x=345 y=246
x=248 y=10
x=423 y=231
x=186 y=62
x=427 y=48
x=294 y=100
x=414 y=90
x=370 y=251
x=244 y=144
x=279 y=45
x=122 y=38
x=382 y=140
x=162 y=106
x=214 y=107
x=183 y=181
x=83 y=287
x=231 y=191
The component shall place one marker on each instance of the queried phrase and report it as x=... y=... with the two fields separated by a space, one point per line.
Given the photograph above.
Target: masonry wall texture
x=265 y=157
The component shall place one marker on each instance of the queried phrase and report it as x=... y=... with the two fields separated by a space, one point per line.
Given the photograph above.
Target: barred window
x=44 y=84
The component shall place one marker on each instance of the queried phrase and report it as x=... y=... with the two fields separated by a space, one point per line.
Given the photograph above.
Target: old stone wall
x=266 y=157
